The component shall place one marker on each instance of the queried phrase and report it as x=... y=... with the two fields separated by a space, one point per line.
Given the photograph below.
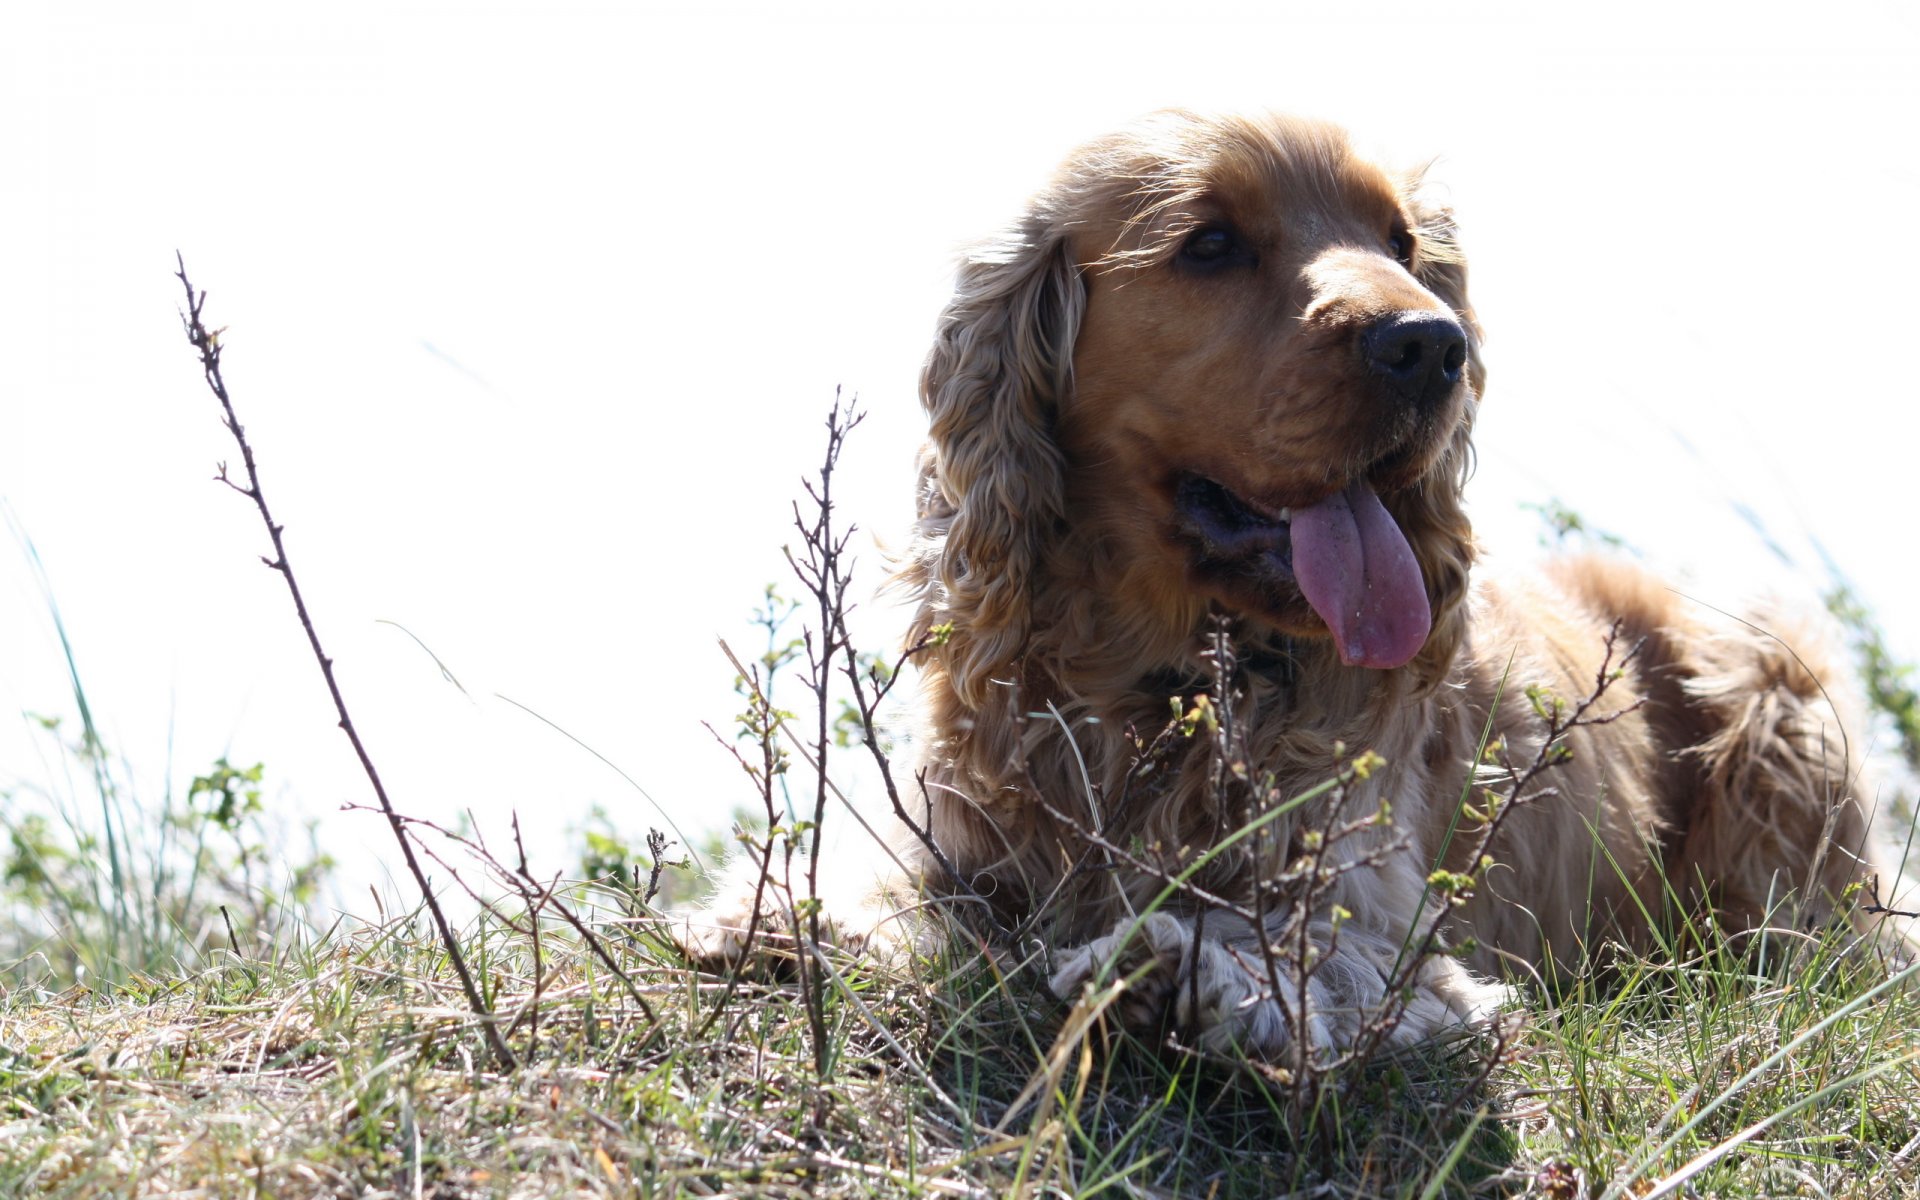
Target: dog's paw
x=735 y=928
x=1209 y=991
x=757 y=924
x=1225 y=997
x=1149 y=956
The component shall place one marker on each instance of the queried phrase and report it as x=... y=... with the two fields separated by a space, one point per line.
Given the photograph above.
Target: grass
x=101 y=881
x=350 y=1066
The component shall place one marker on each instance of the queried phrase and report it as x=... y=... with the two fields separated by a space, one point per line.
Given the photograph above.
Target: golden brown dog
x=1227 y=366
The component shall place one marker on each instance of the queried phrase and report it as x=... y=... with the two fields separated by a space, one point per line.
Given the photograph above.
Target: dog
x=1199 y=427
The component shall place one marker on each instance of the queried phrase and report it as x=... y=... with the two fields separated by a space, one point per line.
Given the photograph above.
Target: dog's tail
x=1782 y=822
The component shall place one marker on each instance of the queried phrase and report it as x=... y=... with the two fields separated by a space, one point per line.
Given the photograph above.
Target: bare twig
x=762 y=716
x=657 y=844
x=821 y=568
x=867 y=704
x=1874 y=908
x=534 y=897
x=1557 y=721
x=207 y=342
x=530 y=889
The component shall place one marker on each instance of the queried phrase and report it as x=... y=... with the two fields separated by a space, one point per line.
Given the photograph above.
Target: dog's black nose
x=1419 y=355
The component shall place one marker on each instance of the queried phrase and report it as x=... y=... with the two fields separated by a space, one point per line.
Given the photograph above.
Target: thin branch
x=207 y=342
x=1875 y=908
x=761 y=716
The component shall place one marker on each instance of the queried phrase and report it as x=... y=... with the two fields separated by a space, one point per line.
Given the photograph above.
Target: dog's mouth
x=1344 y=554
x=1230 y=527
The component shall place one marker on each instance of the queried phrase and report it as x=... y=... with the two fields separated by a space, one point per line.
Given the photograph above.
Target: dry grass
x=353 y=1067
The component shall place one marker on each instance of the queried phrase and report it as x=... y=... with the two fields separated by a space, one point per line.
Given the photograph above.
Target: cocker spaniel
x=1206 y=410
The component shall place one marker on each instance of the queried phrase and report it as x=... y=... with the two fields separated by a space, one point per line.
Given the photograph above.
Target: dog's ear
x=1431 y=513
x=992 y=486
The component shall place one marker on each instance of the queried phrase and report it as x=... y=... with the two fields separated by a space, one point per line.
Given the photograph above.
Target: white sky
x=534 y=312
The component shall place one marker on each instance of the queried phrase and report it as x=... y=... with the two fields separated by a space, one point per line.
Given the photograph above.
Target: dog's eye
x=1401 y=243
x=1214 y=246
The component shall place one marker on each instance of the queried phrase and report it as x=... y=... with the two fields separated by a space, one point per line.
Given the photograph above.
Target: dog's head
x=1232 y=361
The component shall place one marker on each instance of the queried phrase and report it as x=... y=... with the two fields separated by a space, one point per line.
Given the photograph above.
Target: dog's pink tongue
x=1354 y=566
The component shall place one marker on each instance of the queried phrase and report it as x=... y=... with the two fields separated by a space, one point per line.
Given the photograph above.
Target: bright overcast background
x=534 y=312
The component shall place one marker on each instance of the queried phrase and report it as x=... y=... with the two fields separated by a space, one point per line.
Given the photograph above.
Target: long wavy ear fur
x=1431 y=514
x=992 y=485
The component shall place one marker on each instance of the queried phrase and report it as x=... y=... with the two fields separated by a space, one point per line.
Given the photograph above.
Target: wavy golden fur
x=1185 y=383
